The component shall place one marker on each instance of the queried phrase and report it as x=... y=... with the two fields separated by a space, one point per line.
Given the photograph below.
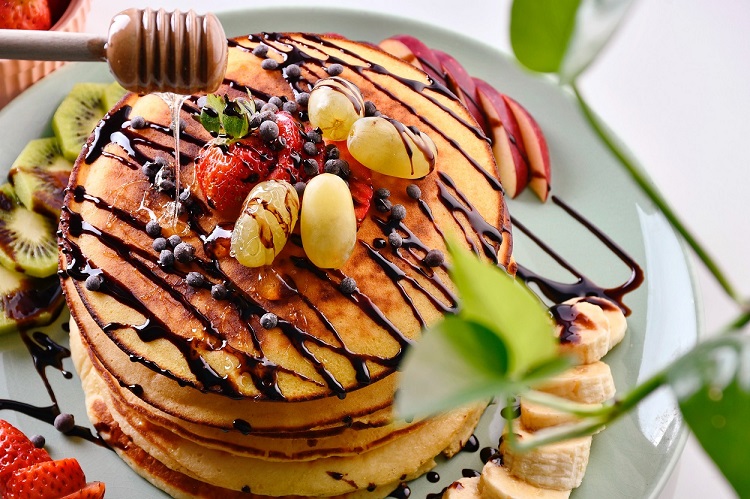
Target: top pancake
x=327 y=343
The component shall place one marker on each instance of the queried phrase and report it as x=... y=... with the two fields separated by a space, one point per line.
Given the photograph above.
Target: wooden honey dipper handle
x=147 y=50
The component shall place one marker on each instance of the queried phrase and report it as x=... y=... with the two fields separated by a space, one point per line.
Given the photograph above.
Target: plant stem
x=650 y=190
x=740 y=322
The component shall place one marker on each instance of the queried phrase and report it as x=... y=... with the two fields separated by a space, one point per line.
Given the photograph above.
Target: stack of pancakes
x=189 y=388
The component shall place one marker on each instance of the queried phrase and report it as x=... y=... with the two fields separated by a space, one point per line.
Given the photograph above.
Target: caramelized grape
x=267 y=219
x=334 y=105
x=328 y=225
x=389 y=147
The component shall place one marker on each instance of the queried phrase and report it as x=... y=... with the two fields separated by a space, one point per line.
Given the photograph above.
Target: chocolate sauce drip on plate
x=471 y=445
x=402 y=491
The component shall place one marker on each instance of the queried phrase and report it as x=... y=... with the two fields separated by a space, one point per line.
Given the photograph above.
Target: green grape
x=328 y=225
x=267 y=219
x=389 y=147
x=334 y=105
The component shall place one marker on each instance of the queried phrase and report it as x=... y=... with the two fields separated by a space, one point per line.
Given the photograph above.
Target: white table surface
x=674 y=85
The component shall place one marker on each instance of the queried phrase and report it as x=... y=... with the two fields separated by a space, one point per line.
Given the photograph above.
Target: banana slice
x=537 y=416
x=616 y=318
x=559 y=466
x=497 y=483
x=587 y=384
x=465 y=488
x=583 y=330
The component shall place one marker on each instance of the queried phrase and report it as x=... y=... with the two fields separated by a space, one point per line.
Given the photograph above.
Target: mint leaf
x=489 y=296
x=236 y=125
x=712 y=385
x=454 y=363
x=540 y=31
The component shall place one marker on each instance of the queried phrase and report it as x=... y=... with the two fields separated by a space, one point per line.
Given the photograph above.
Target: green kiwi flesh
x=27 y=238
x=77 y=116
x=112 y=95
x=40 y=175
x=25 y=301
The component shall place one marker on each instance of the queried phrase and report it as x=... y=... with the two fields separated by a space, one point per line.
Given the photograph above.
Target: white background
x=675 y=86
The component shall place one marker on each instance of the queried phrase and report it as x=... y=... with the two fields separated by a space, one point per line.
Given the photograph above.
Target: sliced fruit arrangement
x=30 y=205
x=588 y=328
x=518 y=142
x=27 y=471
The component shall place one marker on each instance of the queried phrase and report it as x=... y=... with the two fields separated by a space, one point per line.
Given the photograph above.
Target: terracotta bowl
x=16 y=76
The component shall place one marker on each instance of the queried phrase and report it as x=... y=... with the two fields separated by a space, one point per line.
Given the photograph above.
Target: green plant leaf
x=454 y=363
x=540 y=31
x=712 y=385
x=563 y=36
x=504 y=305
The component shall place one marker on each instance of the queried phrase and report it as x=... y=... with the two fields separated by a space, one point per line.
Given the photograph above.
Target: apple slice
x=536 y=148
x=507 y=145
x=416 y=53
x=461 y=83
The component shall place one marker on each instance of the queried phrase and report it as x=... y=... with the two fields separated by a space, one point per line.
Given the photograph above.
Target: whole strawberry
x=16 y=452
x=45 y=480
x=25 y=14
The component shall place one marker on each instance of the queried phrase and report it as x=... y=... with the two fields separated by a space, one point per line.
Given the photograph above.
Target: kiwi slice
x=27 y=238
x=112 y=95
x=25 y=301
x=77 y=116
x=39 y=176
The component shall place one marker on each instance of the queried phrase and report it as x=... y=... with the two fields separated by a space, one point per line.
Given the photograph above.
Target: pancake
x=195 y=383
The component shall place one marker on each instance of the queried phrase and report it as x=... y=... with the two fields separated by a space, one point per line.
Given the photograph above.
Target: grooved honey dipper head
x=179 y=52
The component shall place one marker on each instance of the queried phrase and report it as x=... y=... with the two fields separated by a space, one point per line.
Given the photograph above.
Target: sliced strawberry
x=45 y=480
x=92 y=490
x=16 y=452
x=25 y=14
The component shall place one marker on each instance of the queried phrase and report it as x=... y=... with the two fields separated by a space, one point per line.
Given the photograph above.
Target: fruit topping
x=92 y=490
x=268 y=217
x=25 y=14
x=45 y=480
x=27 y=301
x=328 y=224
x=388 y=146
x=27 y=239
x=39 y=176
x=16 y=452
x=77 y=116
x=334 y=105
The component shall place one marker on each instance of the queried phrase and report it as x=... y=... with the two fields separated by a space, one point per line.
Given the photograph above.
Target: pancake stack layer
x=187 y=386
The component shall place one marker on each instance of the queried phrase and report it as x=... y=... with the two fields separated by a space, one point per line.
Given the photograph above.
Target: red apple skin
x=507 y=145
x=536 y=148
x=420 y=53
x=461 y=83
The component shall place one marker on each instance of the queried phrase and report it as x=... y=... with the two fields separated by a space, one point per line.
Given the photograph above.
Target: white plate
x=630 y=459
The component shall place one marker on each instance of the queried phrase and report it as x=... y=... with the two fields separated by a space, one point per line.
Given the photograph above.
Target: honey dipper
x=147 y=50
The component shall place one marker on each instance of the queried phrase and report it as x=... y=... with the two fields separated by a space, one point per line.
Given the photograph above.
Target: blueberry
x=348 y=285
x=268 y=131
x=269 y=107
x=195 y=279
x=94 y=282
x=311 y=167
x=184 y=253
x=383 y=205
x=269 y=64
x=161 y=161
x=137 y=122
x=160 y=244
x=166 y=185
x=370 y=108
x=300 y=188
x=37 y=441
x=310 y=148
x=255 y=120
x=153 y=229
x=290 y=107
x=293 y=71
x=335 y=69
x=332 y=152
x=302 y=98
x=269 y=320
x=267 y=116
x=332 y=166
x=315 y=136
x=276 y=101
x=382 y=192
x=150 y=170
x=398 y=212
x=219 y=291
x=174 y=240
x=434 y=258
x=261 y=50
x=166 y=258
x=413 y=191
x=64 y=422
x=395 y=239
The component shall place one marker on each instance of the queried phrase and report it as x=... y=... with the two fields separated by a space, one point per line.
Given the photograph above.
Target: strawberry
x=92 y=490
x=45 y=480
x=25 y=14
x=16 y=451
